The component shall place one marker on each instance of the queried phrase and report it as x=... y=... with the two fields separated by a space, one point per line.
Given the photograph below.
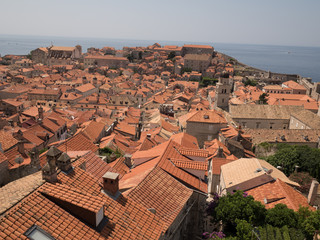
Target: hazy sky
x=276 y=22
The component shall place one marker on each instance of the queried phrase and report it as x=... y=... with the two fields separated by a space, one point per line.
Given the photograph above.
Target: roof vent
x=258 y=170
x=152 y=210
x=306 y=138
x=206 y=117
x=283 y=138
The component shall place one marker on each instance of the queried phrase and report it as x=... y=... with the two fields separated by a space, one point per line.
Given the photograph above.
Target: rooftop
x=253 y=111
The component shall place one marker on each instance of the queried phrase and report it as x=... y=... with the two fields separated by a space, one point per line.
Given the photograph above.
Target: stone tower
x=223 y=90
x=49 y=171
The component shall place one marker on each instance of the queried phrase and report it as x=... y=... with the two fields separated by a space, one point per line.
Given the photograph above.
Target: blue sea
x=304 y=61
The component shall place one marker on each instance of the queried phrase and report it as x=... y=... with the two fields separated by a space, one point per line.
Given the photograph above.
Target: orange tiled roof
x=279 y=192
x=208 y=116
x=193 y=152
x=94 y=129
x=65 y=193
x=196 y=165
x=85 y=87
x=39 y=210
x=185 y=140
x=94 y=165
x=78 y=142
x=7 y=140
x=197 y=46
x=163 y=193
x=182 y=176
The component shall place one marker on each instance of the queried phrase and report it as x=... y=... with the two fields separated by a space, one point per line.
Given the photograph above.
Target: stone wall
x=204 y=131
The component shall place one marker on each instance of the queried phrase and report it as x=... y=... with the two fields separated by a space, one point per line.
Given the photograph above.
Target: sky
x=271 y=22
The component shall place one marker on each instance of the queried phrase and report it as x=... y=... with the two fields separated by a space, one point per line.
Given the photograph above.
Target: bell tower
x=223 y=90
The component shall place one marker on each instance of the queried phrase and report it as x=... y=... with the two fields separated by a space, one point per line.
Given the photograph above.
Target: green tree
x=240 y=206
x=185 y=69
x=249 y=82
x=130 y=57
x=289 y=156
x=312 y=224
x=171 y=55
x=263 y=98
x=280 y=216
x=244 y=230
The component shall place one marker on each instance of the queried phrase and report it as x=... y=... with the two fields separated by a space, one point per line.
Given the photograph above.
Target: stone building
x=56 y=55
x=40 y=55
x=10 y=106
x=197 y=62
x=304 y=119
x=107 y=60
x=205 y=125
x=197 y=49
x=223 y=90
x=262 y=116
x=44 y=94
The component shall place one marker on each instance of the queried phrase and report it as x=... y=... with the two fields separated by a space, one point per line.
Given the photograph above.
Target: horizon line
x=155 y=41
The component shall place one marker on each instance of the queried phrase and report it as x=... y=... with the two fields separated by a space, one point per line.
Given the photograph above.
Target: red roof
x=163 y=193
x=273 y=193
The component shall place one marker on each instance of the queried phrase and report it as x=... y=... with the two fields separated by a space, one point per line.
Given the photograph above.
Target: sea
x=304 y=61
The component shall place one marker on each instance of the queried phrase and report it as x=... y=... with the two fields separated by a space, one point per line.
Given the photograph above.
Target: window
x=211 y=127
x=258 y=125
x=36 y=233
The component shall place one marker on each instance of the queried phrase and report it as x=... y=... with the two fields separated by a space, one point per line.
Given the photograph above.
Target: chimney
x=127 y=160
x=111 y=183
x=18 y=135
x=64 y=163
x=21 y=149
x=312 y=196
x=40 y=113
x=49 y=171
x=220 y=153
x=34 y=155
x=138 y=131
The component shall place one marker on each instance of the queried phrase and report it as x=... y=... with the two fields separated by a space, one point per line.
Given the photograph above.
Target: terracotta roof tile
x=196 y=165
x=163 y=193
x=279 y=192
x=208 y=116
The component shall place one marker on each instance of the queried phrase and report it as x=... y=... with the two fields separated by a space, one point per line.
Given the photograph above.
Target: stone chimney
x=220 y=153
x=312 y=196
x=40 y=113
x=64 y=163
x=111 y=183
x=138 y=131
x=34 y=155
x=18 y=135
x=21 y=149
x=49 y=171
x=127 y=160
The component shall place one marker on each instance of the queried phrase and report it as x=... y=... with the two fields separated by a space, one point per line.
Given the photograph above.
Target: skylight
x=36 y=233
